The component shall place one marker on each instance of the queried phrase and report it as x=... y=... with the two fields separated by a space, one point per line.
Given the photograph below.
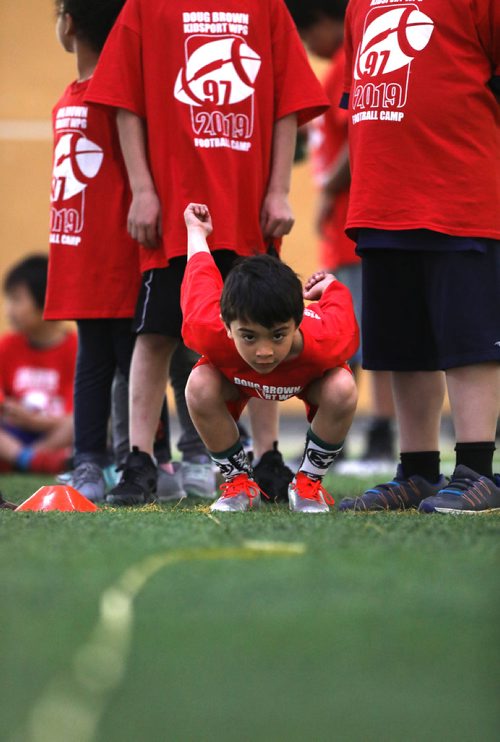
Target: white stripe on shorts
x=147 y=284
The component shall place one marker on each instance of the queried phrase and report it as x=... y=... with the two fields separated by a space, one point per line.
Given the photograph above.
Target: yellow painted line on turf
x=71 y=707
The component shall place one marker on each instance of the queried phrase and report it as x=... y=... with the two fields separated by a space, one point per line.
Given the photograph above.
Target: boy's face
x=263 y=348
x=22 y=312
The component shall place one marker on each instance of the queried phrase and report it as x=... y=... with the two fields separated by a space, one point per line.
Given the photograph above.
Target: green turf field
x=164 y=624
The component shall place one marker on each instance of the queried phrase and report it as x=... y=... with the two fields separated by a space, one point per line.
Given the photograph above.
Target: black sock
x=477 y=456
x=423 y=463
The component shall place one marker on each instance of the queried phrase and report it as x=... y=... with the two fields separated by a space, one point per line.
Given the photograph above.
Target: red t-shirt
x=210 y=84
x=93 y=263
x=424 y=122
x=328 y=328
x=328 y=136
x=40 y=378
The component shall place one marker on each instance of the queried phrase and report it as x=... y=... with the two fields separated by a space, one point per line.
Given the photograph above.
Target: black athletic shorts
x=427 y=311
x=158 y=309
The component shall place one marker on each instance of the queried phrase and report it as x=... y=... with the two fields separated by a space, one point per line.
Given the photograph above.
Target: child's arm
x=338 y=332
x=144 y=217
x=19 y=416
x=202 y=327
x=336 y=179
x=276 y=218
x=199 y=226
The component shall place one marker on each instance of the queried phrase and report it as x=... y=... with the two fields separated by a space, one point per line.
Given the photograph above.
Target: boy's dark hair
x=32 y=273
x=262 y=289
x=93 y=19
x=306 y=13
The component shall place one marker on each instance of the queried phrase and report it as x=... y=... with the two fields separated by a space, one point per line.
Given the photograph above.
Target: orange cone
x=58 y=497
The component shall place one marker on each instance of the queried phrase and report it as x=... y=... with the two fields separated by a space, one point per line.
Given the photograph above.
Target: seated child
x=257 y=340
x=37 y=364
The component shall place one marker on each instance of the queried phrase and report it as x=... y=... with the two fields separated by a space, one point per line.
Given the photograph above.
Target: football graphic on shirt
x=36 y=400
x=76 y=161
x=391 y=40
x=219 y=72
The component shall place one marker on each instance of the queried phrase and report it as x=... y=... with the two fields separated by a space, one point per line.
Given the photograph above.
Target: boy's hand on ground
x=316 y=284
x=197 y=216
x=144 y=219
x=276 y=218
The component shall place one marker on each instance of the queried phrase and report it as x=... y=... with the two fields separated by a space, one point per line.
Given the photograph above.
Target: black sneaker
x=467 y=492
x=137 y=485
x=6 y=505
x=399 y=494
x=272 y=475
x=380 y=441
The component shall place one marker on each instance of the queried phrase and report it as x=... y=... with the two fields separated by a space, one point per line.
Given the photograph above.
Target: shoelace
x=312 y=489
x=384 y=488
x=394 y=491
x=459 y=486
x=241 y=484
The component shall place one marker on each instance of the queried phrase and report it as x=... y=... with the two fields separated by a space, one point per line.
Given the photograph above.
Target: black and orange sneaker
x=399 y=494
x=238 y=495
x=306 y=495
x=467 y=493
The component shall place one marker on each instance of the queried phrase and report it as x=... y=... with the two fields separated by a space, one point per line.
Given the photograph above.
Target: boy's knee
x=202 y=388
x=340 y=388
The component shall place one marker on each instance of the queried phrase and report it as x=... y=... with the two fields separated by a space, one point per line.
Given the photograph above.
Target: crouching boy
x=257 y=340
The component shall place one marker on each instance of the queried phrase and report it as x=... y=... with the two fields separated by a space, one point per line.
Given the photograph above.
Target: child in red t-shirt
x=321 y=26
x=214 y=119
x=37 y=364
x=94 y=272
x=258 y=341
x=422 y=85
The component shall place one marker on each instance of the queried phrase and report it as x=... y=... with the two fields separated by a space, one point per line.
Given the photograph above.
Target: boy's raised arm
x=144 y=216
x=199 y=226
x=202 y=327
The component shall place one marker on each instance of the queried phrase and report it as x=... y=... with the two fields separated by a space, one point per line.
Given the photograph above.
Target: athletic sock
x=25 y=458
x=318 y=455
x=232 y=461
x=421 y=463
x=477 y=456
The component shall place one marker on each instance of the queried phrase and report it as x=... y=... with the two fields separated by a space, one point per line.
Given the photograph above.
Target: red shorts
x=237 y=406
